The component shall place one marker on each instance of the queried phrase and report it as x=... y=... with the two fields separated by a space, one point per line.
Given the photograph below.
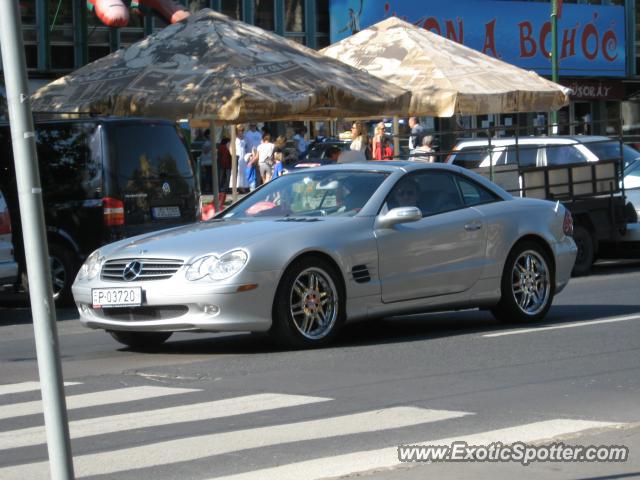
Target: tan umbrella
x=444 y=77
x=212 y=66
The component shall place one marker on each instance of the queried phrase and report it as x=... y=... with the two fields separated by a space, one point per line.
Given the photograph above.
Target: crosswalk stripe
x=163 y=416
x=107 y=397
x=26 y=387
x=352 y=463
x=202 y=446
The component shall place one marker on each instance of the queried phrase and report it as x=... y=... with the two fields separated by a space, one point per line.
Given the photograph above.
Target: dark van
x=103 y=179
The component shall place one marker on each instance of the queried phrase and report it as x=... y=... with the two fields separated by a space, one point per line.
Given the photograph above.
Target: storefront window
x=28 y=12
x=322 y=16
x=294 y=15
x=232 y=8
x=28 y=15
x=61 y=34
x=264 y=14
x=97 y=35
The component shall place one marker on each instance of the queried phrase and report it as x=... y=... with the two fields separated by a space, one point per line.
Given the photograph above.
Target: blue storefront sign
x=591 y=38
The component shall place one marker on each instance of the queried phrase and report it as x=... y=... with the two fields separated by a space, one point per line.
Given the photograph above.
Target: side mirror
x=398 y=215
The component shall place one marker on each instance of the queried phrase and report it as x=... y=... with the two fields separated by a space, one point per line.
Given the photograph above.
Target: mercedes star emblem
x=132 y=271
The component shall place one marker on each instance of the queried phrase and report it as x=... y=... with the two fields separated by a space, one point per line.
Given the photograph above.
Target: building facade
x=597 y=42
x=63 y=35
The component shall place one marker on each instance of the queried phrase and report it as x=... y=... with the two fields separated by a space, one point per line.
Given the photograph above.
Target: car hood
x=196 y=239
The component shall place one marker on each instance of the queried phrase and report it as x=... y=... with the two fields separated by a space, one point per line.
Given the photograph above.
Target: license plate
x=116 y=297
x=165 y=212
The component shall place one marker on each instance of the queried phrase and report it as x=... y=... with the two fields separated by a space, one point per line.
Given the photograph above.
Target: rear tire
x=309 y=306
x=140 y=340
x=586 y=252
x=527 y=285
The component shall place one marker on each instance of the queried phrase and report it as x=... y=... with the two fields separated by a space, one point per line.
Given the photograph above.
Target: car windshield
x=611 y=149
x=310 y=194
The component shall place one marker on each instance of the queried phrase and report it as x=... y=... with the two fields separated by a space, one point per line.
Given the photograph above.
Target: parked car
x=103 y=179
x=8 y=265
x=553 y=165
x=539 y=151
x=317 y=155
x=315 y=248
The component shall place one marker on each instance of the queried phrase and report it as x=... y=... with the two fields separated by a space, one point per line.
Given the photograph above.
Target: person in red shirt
x=224 y=165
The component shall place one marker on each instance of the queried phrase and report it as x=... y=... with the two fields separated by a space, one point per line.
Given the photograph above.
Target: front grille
x=143 y=313
x=152 y=269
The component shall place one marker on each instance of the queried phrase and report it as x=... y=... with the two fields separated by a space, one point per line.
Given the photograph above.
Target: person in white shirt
x=359 y=139
x=252 y=138
x=242 y=183
x=265 y=158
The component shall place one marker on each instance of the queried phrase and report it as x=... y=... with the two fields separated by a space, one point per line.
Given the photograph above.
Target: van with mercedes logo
x=103 y=179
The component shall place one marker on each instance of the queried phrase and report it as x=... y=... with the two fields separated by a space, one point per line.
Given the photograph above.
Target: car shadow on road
x=400 y=329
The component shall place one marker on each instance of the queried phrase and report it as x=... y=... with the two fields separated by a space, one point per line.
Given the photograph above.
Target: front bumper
x=565 y=252
x=179 y=305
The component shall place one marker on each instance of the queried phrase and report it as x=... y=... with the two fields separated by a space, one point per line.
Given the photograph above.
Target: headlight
x=217 y=268
x=91 y=267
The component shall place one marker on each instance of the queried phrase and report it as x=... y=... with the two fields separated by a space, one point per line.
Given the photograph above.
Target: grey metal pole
x=35 y=243
x=554 y=58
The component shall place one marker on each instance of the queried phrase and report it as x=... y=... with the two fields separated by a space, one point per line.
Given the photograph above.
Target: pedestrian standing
x=278 y=168
x=359 y=140
x=387 y=149
x=417 y=133
x=206 y=179
x=252 y=138
x=241 y=175
x=301 y=143
x=377 y=142
x=224 y=165
x=424 y=153
x=265 y=158
x=251 y=160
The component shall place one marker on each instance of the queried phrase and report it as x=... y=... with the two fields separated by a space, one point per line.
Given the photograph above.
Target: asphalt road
x=235 y=406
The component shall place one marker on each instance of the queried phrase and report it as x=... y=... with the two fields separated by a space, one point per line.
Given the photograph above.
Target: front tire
x=527 y=285
x=309 y=306
x=63 y=269
x=140 y=340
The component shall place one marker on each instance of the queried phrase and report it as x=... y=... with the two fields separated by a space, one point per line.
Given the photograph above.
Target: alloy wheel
x=314 y=303
x=530 y=282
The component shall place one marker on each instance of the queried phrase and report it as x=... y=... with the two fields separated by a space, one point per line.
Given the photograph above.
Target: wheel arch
x=55 y=235
x=309 y=254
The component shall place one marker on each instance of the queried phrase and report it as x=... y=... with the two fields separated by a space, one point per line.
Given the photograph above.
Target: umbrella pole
x=396 y=136
x=234 y=165
x=214 y=166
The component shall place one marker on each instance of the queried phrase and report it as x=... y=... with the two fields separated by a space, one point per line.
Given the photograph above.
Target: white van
x=538 y=151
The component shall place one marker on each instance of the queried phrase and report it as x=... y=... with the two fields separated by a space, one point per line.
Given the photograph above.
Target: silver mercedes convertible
x=311 y=250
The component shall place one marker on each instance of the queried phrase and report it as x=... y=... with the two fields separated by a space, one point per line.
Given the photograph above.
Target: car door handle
x=473 y=226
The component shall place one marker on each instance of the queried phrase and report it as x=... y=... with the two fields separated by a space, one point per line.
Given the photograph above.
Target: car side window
x=473 y=193
x=432 y=192
x=523 y=155
x=563 y=155
x=470 y=157
x=70 y=161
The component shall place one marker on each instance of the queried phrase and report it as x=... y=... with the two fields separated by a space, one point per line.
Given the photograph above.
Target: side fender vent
x=360 y=273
